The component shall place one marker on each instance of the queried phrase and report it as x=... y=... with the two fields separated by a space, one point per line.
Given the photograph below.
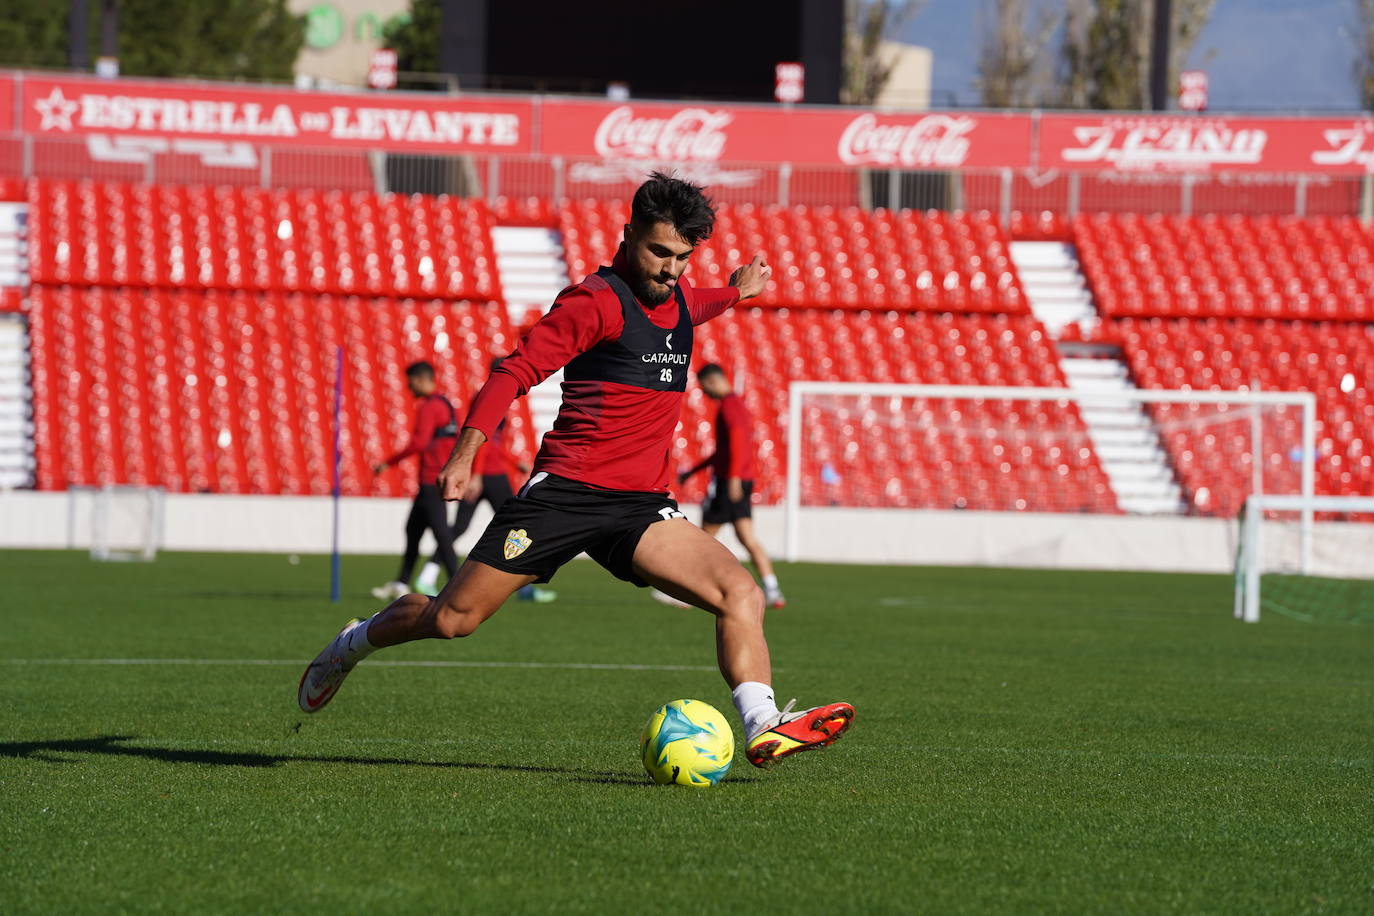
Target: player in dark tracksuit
x=495 y=489
x=436 y=430
x=729 y=496
x=623 y=337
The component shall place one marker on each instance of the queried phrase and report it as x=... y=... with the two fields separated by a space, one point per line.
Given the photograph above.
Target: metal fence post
x=1004 y=201
x=559 y=189
x=493 y=178
x=894 y=197
x=784 y=183
x=1075 y=194
x=28 y=156
x=1185 y=195
x=265 y=167
x=1300 y=196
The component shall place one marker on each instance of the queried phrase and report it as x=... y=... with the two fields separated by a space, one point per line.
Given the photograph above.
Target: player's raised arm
x=752 y=278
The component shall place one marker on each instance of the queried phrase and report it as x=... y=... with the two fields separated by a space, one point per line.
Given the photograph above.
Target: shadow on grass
x=112 y=745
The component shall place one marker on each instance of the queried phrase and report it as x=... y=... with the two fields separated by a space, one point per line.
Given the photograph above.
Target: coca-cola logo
x=934 y=141
x=1166 y=145
x=687 y=135
x=1353 y=145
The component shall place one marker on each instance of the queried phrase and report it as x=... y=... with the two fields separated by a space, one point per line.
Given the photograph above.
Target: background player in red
x=490 y=483
x=729 y=496
x=436 y=428
x=623 y=337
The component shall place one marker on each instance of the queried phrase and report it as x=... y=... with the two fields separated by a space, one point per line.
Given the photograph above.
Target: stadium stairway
x=530 y=260
x=1056 y=289
x=1124 y=437
x=16 y=425
x=16 y=428
x=1122 y=434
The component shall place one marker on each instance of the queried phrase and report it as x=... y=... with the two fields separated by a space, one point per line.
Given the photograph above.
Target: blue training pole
x=338 y=459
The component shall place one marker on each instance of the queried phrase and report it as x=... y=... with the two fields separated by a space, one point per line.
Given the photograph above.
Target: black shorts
x=553 y=519
x=718 y=509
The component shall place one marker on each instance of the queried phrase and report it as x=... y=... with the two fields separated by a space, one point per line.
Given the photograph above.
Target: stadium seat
x=1210 y=451
x=824 y=257
x=232 y=238
x=234 y=392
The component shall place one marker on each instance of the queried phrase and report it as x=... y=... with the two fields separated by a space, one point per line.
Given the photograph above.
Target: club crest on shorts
x=517 y=542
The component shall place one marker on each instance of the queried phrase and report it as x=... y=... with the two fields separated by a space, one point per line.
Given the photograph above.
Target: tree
x=1364 y=51
x=223 y=39
x=868 y=23
x=226 y=39
x=1105 y=58
x=33 y=34
x=416 y=40
x=1013 y=69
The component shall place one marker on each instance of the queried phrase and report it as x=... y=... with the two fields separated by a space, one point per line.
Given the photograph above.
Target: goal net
x=126 y=523
x=1059 y=450
x=1328 y=578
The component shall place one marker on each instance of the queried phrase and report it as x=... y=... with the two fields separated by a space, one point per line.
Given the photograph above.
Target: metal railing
x=999 y=191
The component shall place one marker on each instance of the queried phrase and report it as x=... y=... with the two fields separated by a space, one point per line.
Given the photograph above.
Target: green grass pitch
x=1025 y=742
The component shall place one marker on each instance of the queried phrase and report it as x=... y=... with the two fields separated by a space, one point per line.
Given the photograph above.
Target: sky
x=1269 y=55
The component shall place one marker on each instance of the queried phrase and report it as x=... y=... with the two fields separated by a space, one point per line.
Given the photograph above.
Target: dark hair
x=495 y=363
x=421 y=369
x=710 y=369
x=665 y=199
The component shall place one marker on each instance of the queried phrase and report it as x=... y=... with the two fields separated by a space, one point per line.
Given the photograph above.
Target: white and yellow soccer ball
x=687 y=742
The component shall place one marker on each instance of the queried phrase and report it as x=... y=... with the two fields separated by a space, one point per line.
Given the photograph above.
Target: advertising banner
x=74 y=107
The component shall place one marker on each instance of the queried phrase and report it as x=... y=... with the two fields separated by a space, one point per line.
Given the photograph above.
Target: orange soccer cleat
x=799 y=731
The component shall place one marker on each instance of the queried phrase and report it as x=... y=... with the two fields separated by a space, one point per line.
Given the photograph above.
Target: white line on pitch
x=372 y=663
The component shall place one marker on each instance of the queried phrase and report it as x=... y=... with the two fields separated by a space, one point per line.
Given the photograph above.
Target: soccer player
x=436 y=428
x=493 y=485
x=623 y=337
x=732 y=476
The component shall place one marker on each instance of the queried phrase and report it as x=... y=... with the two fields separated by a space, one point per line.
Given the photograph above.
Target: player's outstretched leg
x=687 y=563
x=470 y=597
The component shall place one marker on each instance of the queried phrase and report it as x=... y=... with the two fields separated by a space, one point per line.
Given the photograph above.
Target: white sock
x=770 y=582
x=429 y=576
x=757 y=708
x=355 y=644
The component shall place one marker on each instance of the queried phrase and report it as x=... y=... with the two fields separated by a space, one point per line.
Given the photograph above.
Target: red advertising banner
x=804 y=136
x=131 y=108
x=7 y=90
x=1203 y=143
x=128 y=120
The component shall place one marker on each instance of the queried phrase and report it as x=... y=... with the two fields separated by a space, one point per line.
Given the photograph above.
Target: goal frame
x=1306 y=401
x=100 y=521
x=1250 y=545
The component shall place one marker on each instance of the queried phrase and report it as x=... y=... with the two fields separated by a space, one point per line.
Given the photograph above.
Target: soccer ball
x=687 y=742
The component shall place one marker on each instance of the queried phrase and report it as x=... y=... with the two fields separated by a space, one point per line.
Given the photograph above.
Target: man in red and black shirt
x=623 y=337
x=730 y=494
x=436 y=429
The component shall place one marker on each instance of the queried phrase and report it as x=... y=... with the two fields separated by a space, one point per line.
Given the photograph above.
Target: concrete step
x=1136 y=471
x=526 y=240
x=1148 y=453
x=1125 y=435
x=525 y=261
x=530 y=290
x=1144 y=505
x=1103 y=368
x=1112 y=417
x=1043 y=254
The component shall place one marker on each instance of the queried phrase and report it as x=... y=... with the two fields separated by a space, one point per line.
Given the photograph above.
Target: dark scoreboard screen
x=713 y=49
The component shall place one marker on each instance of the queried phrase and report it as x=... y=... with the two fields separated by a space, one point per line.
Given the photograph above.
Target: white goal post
x=1307 y=586
x=126 y=522
x=888 y=403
